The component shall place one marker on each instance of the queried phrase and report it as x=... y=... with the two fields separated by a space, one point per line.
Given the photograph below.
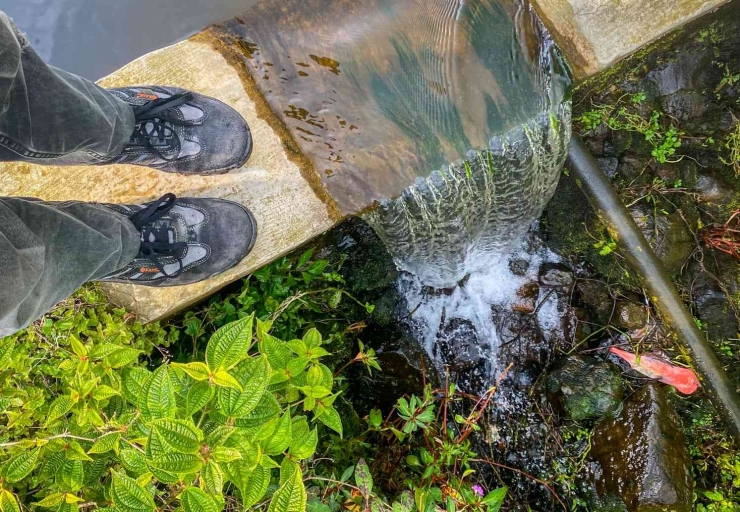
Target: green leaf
x=330 y=417
x=297 y=365
x=77 y=347
x=253 y=375
x=106 y=443
x=277 y=352
x=363 y=478
x=291 y=495
x=51 y=500
x=133 y=460
x=181 y=435
x=158 y=396
x=104 y=350
x=229 y=344
x=305 y=446
x=72 y=473
x=58 y=408
x=263 y=329
x=256 y=487
x=278 y=442
x=122 y=357
x=224 y=379
x=103 y=392
x=312 y=338
x=225 y=454
x=133 y=381
x=19 y=467
x=212 y=478
x=196 y=370
x=8 y=502
x=74 y=451
x=195 y=500
x=495 y=499
x=267 y=409
x=199 y=395
x=176 y=463
x=128 y=496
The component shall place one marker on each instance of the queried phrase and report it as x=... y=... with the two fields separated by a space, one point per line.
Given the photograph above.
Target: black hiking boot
x=185 y=240
x=183 y=132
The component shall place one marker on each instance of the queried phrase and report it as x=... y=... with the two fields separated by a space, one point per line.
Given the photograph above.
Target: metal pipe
x=664 y=296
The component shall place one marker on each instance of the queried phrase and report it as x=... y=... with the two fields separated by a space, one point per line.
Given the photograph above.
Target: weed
x=732 y=145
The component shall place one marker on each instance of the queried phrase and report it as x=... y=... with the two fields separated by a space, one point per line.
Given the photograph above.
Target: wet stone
x=584 y=388
x=609 y=165
x=519 y=267
x=642 y=455
x=458 y=348
x=630 y=316
x=594 y=296
x=555 y=275
x=526 y=298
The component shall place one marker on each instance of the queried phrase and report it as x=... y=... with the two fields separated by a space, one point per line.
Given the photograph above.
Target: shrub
x=106 y=430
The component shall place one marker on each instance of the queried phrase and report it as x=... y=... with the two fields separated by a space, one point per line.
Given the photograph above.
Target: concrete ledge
x=595 y=34
x=273 y=184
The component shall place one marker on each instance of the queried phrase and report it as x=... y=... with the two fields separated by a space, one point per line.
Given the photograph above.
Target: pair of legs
x=51 y=117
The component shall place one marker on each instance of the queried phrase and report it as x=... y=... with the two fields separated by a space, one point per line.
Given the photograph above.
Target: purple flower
x=478 y=489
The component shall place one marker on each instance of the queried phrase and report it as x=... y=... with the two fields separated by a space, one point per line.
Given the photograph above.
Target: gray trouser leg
x=51 y=117
x=47 y=250
x=48 y=116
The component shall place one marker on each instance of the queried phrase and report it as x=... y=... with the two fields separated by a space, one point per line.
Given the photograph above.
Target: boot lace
x=155 y=237
x=155 y=124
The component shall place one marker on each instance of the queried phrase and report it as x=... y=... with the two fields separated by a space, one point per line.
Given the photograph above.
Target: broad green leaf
x=314 y=376
x=305 y=446
x=199 y=395
x=181 y=435
x=176 y=463
x=133 y=460
x=103 y=392
x=74 y=451
x=8 y=502
x=225 y=454
x=495 y=499
x=51 y=500
x=122 y=357
x=331 y=419
x=72 y=473
x=277 y=352
x=106 y=443
x=58 y=408
x=158 y=396
x=249 y=451
x=312 y=338
x=6 y=351
x=226 y=380
x=253 y=375
x=196 y=370
x=212 y=478
x=17 y=468
x=132 y=385
x=263 y=329
x=104 y=350
x=280 y=437
x=363 y=478
x=195 y=500
x=128 y=496
x=229 y=345
x=256 y=487
x=297 y=365
x=291 y=495
x=77 y=347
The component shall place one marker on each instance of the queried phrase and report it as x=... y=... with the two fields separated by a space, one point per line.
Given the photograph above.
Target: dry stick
x=523 y=473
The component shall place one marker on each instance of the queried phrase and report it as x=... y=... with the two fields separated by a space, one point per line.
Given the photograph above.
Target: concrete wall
x=595 y=34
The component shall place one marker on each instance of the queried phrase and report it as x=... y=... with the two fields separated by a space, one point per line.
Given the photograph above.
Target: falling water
x=455 y=231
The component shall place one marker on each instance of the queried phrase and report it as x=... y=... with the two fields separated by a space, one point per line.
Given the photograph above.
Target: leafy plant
x=107 y=430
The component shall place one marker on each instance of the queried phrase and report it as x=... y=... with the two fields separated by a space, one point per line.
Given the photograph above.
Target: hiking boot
x=183 y=132
x=185 y=240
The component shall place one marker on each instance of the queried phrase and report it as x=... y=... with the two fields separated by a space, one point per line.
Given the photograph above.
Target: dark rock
x=459 y=348
x=669 y=235
x=584 y=388
x=519 y=267
x=555 y=274
x=526 y=298
x=594 y=296
x=643 y=455
x=685 y=105
x=369 y=266
x=711 y=300
x=676 y=75
x=712 y=189
x=608 y=165
x=630 y=316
